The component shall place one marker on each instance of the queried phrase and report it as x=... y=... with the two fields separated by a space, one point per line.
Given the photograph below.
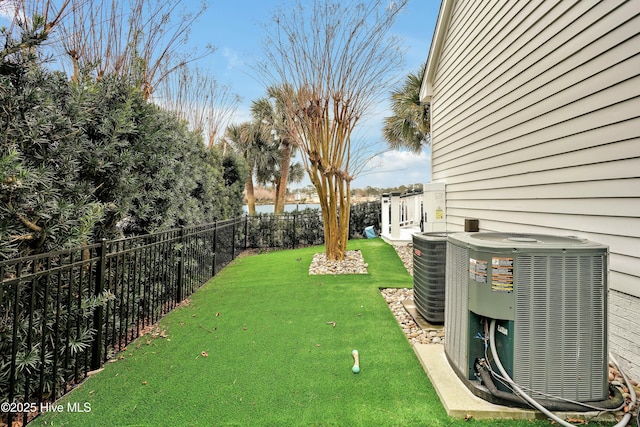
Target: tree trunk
x=251 y=198
x=335 y=203
x=76 y=69
x=276 y=187
x=281 y=194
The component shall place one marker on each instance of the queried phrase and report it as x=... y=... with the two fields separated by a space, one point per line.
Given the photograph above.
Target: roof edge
x=437 y=43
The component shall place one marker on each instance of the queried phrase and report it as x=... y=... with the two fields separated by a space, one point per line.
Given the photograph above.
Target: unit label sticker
x=478 y=270
x=502 y=274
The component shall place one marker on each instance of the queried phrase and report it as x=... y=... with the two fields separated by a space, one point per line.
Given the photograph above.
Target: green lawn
x=253 y=348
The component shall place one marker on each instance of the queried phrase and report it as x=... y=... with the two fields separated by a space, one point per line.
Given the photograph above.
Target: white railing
x=411 y=209
x=401 y=211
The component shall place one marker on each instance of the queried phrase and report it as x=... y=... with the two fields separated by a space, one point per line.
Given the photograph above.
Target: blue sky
x=234 y=28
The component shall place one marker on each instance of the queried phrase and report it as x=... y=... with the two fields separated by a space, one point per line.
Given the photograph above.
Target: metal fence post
x=246 y=230
x=14 y=338
x=233 y=239
x=180 y=290
x=98 y=315
x=294 y=243
x=215 y=246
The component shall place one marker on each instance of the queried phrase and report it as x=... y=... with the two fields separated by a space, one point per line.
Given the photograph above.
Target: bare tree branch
x=140 y=39
x=199 y=99
x=339 y=59
x=32 y=21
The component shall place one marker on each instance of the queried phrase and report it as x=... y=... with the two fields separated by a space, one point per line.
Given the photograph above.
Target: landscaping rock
x=405 y=252
x=395 y=298
x=413 y=332
x=353 y=263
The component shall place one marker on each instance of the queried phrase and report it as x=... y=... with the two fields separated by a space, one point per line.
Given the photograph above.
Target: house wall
x=536 y=128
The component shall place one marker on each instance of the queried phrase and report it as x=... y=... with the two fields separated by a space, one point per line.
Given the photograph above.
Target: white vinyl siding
x=536 y=122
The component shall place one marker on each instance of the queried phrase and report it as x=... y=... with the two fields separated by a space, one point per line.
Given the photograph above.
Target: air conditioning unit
x=548 y=297
x=429 y=265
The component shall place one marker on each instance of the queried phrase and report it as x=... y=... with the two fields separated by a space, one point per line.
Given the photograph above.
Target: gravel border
x=396 y=298
x=353 y=263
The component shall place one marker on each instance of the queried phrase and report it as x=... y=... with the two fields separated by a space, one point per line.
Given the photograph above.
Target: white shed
x=535 y=128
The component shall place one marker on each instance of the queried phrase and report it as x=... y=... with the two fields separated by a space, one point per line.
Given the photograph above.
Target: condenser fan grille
x=429 y=265
x=560 y=339
x=456 y=305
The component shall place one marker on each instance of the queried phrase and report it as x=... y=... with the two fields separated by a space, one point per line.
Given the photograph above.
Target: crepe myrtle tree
x=339 y=60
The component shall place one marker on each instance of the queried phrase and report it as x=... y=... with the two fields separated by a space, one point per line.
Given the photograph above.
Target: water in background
x=287 y=208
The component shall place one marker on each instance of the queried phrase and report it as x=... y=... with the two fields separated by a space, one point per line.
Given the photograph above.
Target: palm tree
x=296 y=173
x=249 y=140
x=409 y=125
x=269 y=112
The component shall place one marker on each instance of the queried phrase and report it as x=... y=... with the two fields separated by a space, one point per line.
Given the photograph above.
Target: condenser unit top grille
x=434 y=236
x=482 y=241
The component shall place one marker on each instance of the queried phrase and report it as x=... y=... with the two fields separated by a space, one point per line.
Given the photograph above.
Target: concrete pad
x=421 y=321
x=456 y=398
x=459 y=402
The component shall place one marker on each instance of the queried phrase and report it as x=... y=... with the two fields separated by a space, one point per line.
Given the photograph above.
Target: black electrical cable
x=615 y=393
x=616 y=402
x=492 y=328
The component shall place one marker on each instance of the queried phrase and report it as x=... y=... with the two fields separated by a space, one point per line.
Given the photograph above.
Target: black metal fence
x=364 y=215
x=305 y=228
x=291 y=230
x=64 y=313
